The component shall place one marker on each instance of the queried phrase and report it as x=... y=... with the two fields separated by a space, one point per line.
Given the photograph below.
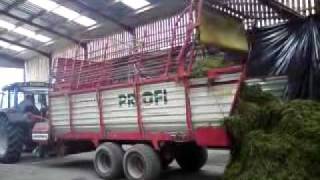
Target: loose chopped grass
x=274 y=140
x=202 y=66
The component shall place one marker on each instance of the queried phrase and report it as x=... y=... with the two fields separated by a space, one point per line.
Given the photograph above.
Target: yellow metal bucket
x=222 y=31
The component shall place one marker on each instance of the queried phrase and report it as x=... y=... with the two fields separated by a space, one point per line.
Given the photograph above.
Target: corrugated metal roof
x=106 y=12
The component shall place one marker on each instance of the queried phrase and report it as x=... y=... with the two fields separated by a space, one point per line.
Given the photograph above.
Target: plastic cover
x=291 y=49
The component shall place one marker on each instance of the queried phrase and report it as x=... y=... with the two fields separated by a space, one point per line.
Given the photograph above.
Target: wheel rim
x=3 y=138
x=135 y=166
x=104 y=162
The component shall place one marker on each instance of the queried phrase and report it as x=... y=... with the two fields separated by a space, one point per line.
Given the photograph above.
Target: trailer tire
x=166 y=163
x=141 y=162
x=108 y=161
x=11 y=141
x=166 y=156
x=191 y=157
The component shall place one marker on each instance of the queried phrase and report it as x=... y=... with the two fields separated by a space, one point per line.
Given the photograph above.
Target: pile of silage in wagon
x=202 y=66
x=274 y=140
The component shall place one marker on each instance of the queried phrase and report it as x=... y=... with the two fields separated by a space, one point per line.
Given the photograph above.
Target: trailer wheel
x=191 y=157
x=108 y=161
x=141 y=162
x=166 y=155
x=166 y=162
x=11 y=141
x=40 y=152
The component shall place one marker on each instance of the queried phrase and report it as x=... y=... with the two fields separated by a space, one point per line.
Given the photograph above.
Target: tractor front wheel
x=11 y=141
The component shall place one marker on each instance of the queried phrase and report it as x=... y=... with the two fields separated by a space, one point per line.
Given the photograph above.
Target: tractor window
x=3 y=100
x=11 y=99
x=38 y=103
x=20 y=97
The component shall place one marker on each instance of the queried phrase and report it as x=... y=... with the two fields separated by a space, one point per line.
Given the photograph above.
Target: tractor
x=22 y=106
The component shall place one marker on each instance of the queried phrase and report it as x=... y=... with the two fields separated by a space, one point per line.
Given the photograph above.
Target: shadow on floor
x=85 y=165
x=173 y=173
x=76 y=164
x=177 y=174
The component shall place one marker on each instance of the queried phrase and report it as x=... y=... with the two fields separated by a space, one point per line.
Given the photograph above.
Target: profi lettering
x=148 y=98
x=127 y=99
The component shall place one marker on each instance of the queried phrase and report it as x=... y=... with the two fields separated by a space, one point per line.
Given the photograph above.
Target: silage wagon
x=140 y=92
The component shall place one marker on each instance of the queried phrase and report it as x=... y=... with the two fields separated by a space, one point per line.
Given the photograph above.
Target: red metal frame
x=138 y=103
x=215 y=73
x=70 y=113
x=142 y=62
x=206 y=136
x=101 y=117
x=188 y=106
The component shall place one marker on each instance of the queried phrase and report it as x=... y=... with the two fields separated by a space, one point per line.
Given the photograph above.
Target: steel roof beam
x=15 y=4
x=106 y=17
x=25 y=21
x=282 y=9
x=25 y=46
x=225 y=6
x=10 y=62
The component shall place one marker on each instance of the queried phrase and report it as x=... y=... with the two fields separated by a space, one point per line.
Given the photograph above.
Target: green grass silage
x=274 y=140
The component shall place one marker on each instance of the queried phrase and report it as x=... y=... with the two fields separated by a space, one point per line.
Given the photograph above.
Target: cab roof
x=20 y=86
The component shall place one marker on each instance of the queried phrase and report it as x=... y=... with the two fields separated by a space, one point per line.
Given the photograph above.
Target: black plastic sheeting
x=291 y=49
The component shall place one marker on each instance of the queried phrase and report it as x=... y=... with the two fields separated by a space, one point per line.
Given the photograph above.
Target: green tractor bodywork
x=17 y=121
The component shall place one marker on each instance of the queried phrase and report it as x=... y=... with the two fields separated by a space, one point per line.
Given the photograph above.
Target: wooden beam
x=282 y=9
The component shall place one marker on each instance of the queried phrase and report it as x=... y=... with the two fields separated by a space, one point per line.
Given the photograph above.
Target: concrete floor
x=80 y=167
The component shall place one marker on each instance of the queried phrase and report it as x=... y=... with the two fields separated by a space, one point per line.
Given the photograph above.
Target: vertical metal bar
x=86 y=52
x=51 y=61
x=188 y=106
x=240 y=83
x=307 y=7
x=70 y=113
x=50 y=112
x=139 y=108
x=317 y=7
x=101 y=115
x=251 y=8
x=268 y=13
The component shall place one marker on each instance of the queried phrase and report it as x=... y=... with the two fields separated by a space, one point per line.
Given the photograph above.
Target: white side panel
x=163 y=107
x=275 y=85
x=85 y=113
x=119 y=117
x=210 y=104
x=59 y=108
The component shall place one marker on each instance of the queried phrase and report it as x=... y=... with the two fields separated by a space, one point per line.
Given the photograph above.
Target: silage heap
x=274 y=140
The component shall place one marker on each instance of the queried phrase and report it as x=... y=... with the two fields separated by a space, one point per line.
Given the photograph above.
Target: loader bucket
x=222 y=31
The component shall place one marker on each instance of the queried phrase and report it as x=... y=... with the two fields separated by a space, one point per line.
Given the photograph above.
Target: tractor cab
x=16 y=93
x=23 y=105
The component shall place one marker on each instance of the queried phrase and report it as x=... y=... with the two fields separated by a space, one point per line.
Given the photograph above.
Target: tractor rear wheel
x=11 y=141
